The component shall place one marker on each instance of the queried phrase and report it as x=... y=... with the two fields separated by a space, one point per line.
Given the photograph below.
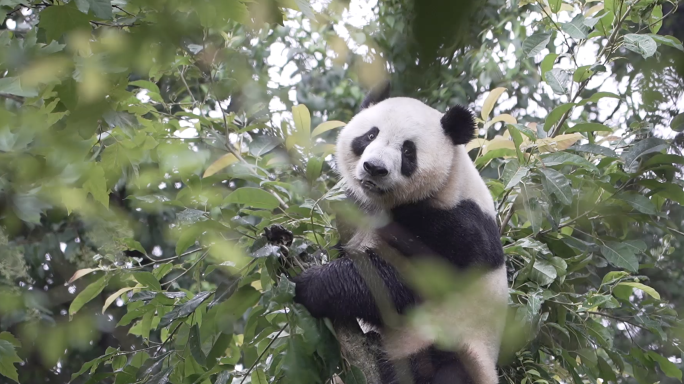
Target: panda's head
x=399 y=150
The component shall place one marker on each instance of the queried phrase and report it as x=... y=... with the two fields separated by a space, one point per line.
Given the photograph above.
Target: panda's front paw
x=307 y=293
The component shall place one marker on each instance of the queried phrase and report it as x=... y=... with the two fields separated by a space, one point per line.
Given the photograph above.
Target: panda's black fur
x=463 y=235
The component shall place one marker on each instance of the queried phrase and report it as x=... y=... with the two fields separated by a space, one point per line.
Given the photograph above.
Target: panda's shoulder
x=428 y=212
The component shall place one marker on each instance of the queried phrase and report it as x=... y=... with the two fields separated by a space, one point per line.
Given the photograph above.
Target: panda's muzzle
x=375 y=169
x=371 y=186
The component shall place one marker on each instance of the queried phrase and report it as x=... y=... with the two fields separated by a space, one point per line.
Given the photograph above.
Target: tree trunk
x=360 y=351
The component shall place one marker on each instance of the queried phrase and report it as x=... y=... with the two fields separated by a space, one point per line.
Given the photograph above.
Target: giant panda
x=405 y=166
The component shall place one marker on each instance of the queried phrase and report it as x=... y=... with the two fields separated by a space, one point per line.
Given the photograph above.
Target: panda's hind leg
x=449 y=368
x=479 y=362
x=429 y=366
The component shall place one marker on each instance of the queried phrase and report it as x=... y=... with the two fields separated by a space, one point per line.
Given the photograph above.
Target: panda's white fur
x=446 y=176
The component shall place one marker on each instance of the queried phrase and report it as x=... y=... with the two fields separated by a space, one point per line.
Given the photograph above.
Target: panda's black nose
x=375 y=169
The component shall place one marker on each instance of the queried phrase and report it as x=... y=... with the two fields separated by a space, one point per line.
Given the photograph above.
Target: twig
x=617 y=318
x=181 y=255
x=187 y=270
x=262 y=354
x=673 y=10
x=505 y=221
x=194 y=101
x=100 y=24
x=124 y=11
x=611 y=41
x=12 y=97
x=571 y=51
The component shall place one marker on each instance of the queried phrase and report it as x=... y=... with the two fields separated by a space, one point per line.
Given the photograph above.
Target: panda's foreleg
x=361 y=285
x=479 y=360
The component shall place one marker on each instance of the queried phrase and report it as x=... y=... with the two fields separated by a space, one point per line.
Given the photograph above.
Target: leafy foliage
x=159 y=186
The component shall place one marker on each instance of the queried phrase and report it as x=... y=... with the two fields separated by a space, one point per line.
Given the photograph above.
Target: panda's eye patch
x=360 y=143
x=409 y=158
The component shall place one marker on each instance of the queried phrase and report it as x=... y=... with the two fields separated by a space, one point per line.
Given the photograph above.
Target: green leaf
x=99 y=8
x=547 y=63
x=8 y=357
x=259 y=377
x=237 y=304
x=327 y=126
x=218 y=349
x=639 y=149
x=641 y=44
x=556 y=115
x=597 y=96
x=600 y=333
x=531 y=205
x=262 y=145
x=576 y=28
x=613 y=276
x=534 y=44
x=28 y=207
x=185 y=309
x=161 y=377
x=524 y=130
x=620 y=255
x=543 y=273
x=669 y=368
x=559 y=185
x=489 y=102
x=353 y=376
x=218 y=13
x=513 y=173
x=655 y=20
x=119 y=362
x=306 y=9
x=567 y=158
x=582 y=73
x=252 y=197
x=147 y=279
x=187 y=238
x=650 y=291
x=134 y=245
x=677 y=124
x=640 y=202
x=558 y=80
x=302 y=120
x=12 y=86
x=555 y=5
x=93 y=364
x=232 y=10
x=501 y=152
x=10 y=337
x=89 y=293
x=670 y=41
x=636 y=245
x=517 y=141
x=96 y=185
x=588 y=127
x=299 y=365
x=146 y=85
x=313 y=168
x=195 y=344
x=595 y=149
x=60 y=19
x=220 y=163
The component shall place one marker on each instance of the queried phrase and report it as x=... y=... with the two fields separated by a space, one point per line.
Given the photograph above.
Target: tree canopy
x=166 y=167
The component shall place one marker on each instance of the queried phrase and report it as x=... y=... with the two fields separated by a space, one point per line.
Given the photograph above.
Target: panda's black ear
x=459 y=124
x=379 y=93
